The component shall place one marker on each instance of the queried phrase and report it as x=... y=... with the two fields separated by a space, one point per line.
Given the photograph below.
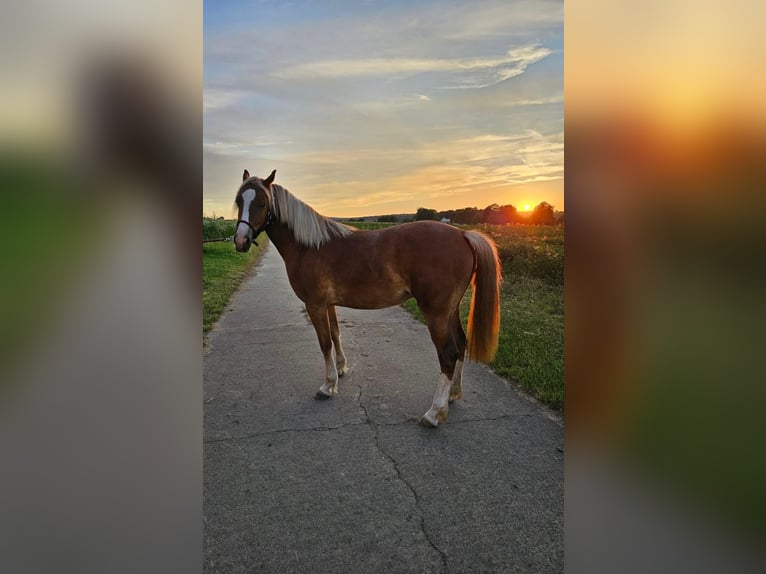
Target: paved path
x=354 y=484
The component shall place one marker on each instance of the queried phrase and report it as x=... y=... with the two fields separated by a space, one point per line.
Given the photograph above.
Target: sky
x=380 y=107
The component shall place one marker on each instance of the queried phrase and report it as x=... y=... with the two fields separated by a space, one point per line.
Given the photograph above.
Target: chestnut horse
x=330 y=264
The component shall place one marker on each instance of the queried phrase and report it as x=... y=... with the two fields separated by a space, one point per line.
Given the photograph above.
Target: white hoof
x=429 y=420
x=329 y=388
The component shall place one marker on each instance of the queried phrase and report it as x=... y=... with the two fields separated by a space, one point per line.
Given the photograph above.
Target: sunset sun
x=526 y=207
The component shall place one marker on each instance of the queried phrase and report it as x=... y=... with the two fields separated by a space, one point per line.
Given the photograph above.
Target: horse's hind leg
x=319 y=317
x=447 y=350
x=458 y=335
x=340 y=357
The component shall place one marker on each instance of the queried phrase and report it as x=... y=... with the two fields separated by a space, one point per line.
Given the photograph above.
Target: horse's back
x=421 y=234
x=407 y=240
x=431 y=243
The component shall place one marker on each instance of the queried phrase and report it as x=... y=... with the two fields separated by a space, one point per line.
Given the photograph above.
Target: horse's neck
x=280 y=233
x=283 y=239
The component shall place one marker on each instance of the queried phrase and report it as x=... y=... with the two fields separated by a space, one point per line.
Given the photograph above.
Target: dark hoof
x=321 y=396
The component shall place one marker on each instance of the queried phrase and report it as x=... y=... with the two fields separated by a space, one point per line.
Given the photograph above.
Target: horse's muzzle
x=242 y=243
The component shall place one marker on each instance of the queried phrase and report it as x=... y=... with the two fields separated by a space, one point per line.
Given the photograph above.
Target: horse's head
x=254 y=209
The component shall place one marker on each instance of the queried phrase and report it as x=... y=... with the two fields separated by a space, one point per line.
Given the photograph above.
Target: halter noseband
x=257 y=232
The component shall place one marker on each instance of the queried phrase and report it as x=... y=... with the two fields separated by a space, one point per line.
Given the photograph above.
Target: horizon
x=385 y=107
x=521 y=211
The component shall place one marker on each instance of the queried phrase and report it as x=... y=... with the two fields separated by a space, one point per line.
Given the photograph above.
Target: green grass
x=531 y=347
x=215 y=228
x=223 y=270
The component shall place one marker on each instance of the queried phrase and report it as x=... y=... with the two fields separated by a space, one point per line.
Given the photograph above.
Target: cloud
x=215 y=99
x=242 y=148
x=472 y=72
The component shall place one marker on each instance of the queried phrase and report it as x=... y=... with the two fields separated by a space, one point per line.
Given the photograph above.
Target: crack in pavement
x=366 y=420
x=280 y=431
x=376 y=428
x=490 y=419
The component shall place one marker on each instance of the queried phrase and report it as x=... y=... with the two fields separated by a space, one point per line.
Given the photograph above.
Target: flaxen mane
x=309 y=227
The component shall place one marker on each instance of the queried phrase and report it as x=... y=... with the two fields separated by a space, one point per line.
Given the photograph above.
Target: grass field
x=223 y=269
x=531 y=349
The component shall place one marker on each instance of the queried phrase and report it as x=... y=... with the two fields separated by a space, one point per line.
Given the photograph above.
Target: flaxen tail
x=484 y=316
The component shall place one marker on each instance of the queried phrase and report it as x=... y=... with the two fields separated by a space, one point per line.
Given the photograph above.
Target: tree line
x=494 y=214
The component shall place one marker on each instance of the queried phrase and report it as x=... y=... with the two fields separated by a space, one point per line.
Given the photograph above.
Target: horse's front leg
x=321 y=322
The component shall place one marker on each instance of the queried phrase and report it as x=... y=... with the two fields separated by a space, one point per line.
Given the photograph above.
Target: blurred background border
x=100 y=400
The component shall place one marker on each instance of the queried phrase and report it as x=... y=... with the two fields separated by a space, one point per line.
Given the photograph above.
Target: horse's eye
x=261 y=204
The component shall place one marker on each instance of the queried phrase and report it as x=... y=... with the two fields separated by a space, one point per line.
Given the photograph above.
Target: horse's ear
x=245 y=175
x=269 y=180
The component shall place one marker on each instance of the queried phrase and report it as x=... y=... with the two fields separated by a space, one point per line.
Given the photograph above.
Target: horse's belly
x=371 y=296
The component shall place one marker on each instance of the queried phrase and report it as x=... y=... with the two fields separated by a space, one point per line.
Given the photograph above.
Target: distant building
x=446 y=220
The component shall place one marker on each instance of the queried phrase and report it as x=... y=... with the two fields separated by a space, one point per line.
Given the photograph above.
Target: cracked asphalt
x=354 y=484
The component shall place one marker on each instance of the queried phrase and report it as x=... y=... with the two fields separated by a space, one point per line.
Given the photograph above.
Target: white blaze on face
x=247 y=199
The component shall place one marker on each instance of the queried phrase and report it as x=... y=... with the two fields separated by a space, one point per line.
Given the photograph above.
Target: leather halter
x=264 y=225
